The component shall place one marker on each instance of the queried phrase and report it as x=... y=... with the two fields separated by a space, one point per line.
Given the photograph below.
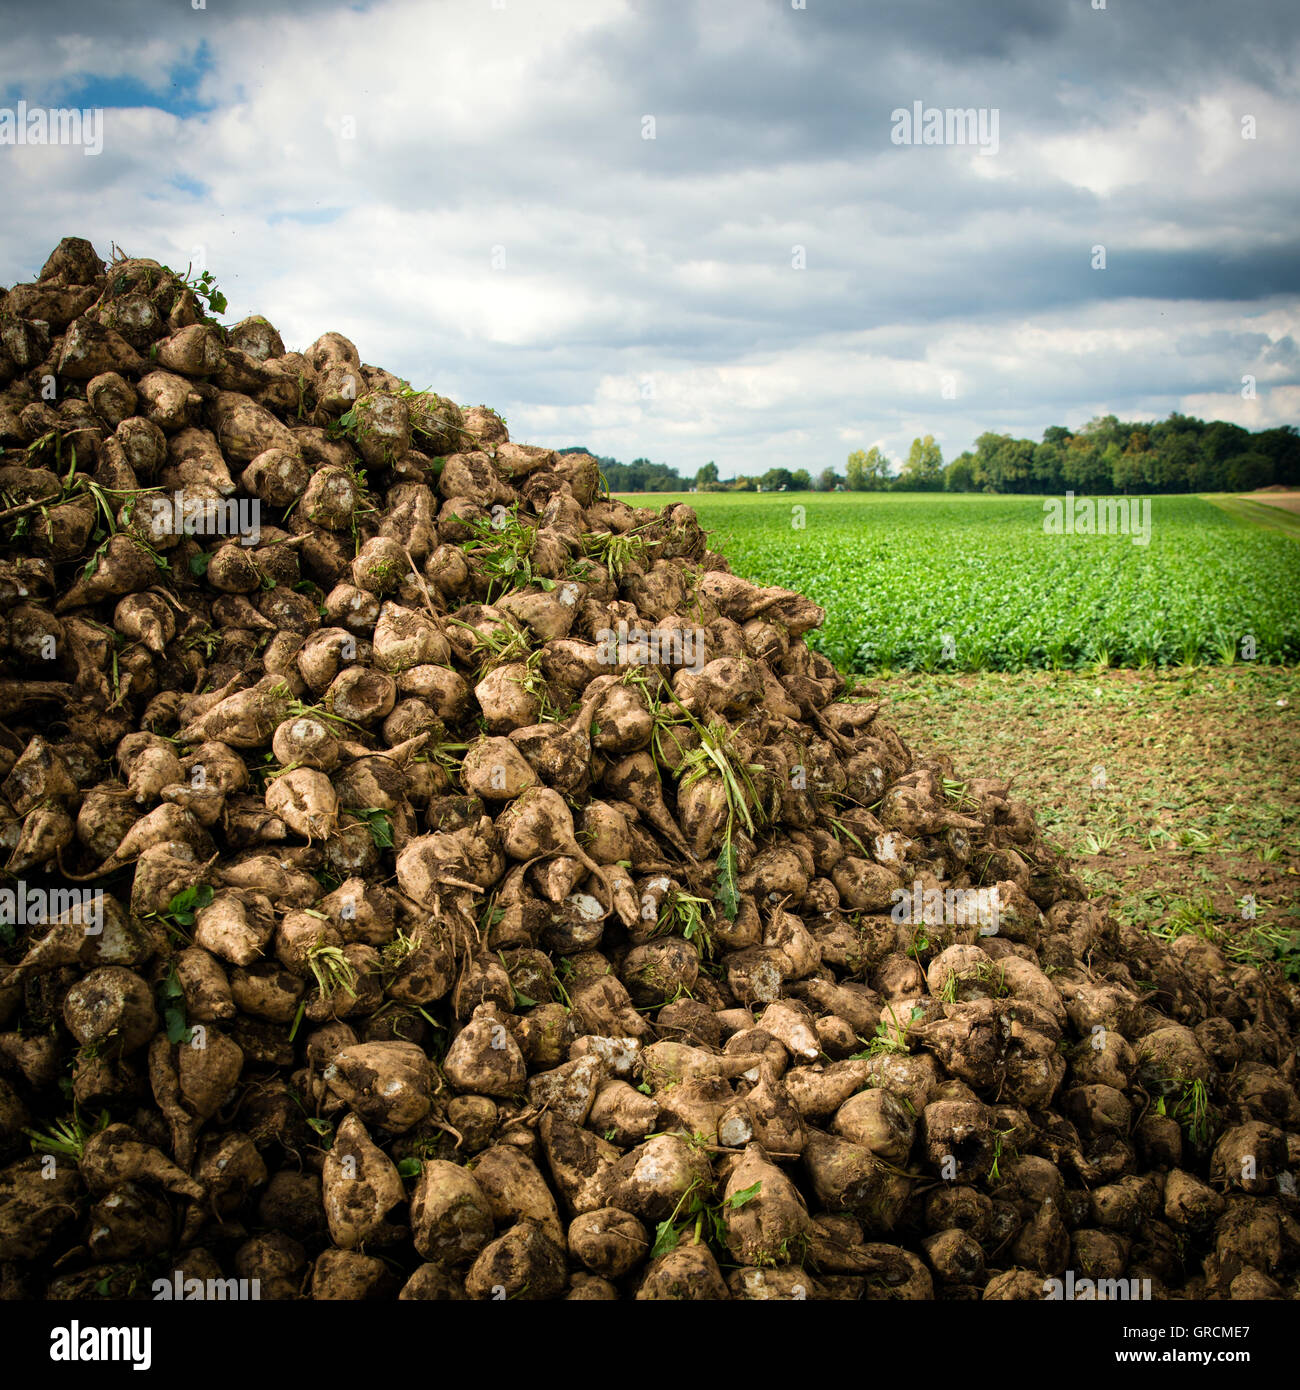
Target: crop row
x=975 y=583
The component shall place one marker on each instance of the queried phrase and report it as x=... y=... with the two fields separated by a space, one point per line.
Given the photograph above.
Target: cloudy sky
x=465 y=188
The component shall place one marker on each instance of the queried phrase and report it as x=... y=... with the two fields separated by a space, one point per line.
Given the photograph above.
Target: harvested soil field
x=1126 y=771
x=1288 y=501
x=482 y=893
x=1260 y=511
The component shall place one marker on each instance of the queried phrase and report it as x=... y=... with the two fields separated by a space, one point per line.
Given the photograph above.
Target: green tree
x=707 y=477
x=1111 y=463
x=1247 y=471
x=959 y=476
x=1173 y=460
x=923 y=471
x=1222 y=441
x=641 y=476
x=1049 y=461
x=1004 y=464
x=1103 y=428
x=1127 y=474
x=1282 y=446
x=776 y=478
x=867 y=470
x=827 y=479
x=801 y=480
x=1083 y=469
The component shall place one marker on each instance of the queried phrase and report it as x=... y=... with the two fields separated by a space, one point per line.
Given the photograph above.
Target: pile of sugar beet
x=472 y=889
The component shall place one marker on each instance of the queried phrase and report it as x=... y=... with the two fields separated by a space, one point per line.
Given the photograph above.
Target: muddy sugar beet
x=451 y=941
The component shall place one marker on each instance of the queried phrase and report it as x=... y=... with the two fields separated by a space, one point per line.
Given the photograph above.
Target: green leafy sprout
x=693 y=1209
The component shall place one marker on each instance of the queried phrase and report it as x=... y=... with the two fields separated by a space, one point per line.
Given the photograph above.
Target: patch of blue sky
x=184 y=184
x=176 y=91
x=307 y=217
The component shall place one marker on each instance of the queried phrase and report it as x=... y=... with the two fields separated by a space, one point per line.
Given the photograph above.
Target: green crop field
x=921 y=581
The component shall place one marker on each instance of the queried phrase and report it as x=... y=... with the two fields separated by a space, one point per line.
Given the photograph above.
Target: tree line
x=1180 y=454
